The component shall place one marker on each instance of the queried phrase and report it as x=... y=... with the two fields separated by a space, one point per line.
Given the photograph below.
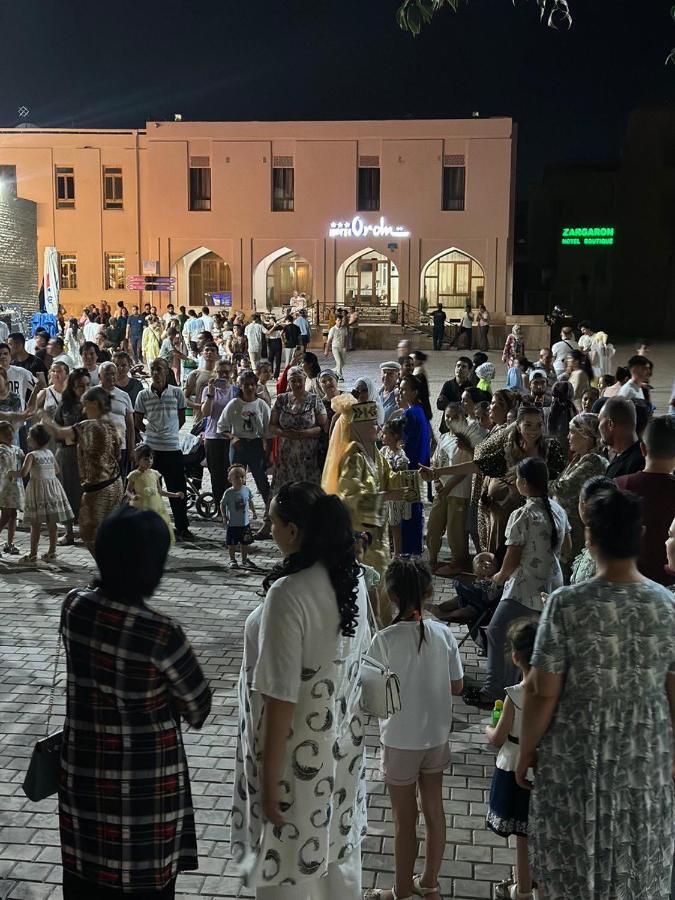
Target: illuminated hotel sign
x=587 y=237
x=358 y=228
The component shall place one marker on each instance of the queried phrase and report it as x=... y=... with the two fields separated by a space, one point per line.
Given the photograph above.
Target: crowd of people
x=557 y=498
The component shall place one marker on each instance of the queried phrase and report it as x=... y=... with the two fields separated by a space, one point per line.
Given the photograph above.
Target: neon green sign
x=587 y=237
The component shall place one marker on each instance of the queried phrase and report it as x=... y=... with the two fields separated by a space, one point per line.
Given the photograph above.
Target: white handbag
x=380 y=687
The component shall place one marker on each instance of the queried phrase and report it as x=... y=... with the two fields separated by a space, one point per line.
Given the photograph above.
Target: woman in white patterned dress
x=597 y=724
x=299 y=805
x=46 y=501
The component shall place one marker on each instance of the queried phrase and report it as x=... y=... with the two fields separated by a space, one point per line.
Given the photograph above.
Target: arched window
x=371 y=280
x=454 y=279
x=286 y=274
x=209 y=274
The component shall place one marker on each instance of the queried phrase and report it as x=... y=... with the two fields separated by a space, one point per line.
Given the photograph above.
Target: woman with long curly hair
x=299 y=807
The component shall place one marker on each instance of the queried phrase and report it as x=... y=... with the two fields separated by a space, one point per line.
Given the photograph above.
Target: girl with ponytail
x=536 y=536
x=301 y=737
x=415 y=749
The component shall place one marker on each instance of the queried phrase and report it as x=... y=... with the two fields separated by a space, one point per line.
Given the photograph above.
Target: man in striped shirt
x=160 y=412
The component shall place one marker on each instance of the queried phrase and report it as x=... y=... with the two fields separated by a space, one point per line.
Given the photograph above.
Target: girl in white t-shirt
x=415 y=740
x=509 y=803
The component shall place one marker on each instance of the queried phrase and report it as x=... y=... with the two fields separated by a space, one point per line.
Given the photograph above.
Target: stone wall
x=18 y=253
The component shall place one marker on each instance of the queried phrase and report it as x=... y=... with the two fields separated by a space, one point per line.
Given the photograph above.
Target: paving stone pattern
x=212 y=602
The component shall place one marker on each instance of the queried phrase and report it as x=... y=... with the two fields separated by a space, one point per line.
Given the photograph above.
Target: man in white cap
x=389 y=390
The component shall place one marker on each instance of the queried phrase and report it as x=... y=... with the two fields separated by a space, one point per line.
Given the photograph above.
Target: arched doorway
x=454 y=279
x=368 y=278
x=286 y=274
x=208 y=275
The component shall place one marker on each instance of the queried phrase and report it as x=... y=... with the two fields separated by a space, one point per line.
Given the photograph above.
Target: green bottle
x=497 y=711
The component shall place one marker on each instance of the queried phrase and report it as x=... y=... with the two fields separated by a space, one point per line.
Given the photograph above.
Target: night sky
x=84 y=64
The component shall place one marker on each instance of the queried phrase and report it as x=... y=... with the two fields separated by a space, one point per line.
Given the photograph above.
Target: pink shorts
x=403 y=767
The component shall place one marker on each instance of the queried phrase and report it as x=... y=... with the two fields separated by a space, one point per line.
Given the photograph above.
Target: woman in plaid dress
x=125 y=807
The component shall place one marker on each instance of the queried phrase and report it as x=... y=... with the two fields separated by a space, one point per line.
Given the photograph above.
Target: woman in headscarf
x=366 y=391
x=503 y=402
x=513 y=347
x=298 y=417
x=358 y=473
x=584 y=442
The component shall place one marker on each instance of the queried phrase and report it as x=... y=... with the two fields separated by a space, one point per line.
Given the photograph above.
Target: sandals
x=421 y=890
x=376 y=894
x=12 y=549
x=49 y=557
x=28 y=560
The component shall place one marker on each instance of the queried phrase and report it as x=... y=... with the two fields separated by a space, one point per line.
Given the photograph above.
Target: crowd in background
x=556 y=496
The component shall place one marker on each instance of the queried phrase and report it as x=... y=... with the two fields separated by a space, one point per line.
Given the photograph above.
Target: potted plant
x=424 y=309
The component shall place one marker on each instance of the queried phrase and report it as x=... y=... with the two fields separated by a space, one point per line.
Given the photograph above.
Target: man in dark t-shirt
x=291 y=338
x=135 y=326
x=17 y=345
x=656 y=486
x=438 y=316
x=617 y=424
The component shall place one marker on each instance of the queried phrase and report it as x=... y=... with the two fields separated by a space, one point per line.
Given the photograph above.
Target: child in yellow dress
x=144 y=487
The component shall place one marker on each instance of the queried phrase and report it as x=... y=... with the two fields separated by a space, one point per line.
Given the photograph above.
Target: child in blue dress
x=509 y=803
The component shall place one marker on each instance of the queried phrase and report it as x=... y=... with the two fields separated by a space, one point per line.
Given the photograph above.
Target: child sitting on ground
x=415 y=740
x=238 y=511
x=509 y=803
x=475 y=592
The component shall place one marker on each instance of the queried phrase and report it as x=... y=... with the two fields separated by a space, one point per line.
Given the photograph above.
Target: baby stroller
x=194 y=454
x=479 y=599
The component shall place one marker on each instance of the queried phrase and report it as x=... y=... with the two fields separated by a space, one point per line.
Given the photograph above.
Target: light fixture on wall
x=177 y=117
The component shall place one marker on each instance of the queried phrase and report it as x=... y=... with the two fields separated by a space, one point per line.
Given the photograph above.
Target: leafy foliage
x=413 y=14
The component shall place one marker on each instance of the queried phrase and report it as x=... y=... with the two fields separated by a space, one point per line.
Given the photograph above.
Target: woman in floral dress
x=584 y=441
x=298 y=417
x=597 y=724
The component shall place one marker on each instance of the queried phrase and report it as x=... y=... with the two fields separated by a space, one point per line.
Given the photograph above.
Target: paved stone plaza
x=211 y=602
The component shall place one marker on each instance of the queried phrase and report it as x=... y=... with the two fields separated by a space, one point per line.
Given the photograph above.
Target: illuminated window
x=200 y=184
x=369 y=189
x=283 y=189
x=115 y=271
x=371 y=280
x=454 y=280
x=65 y=187
x=113 y=189
x=7 y=181
x=68 y=267
x=454 y=182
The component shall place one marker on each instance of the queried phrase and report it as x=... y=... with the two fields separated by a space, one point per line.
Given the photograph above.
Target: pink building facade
x=377 y=214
